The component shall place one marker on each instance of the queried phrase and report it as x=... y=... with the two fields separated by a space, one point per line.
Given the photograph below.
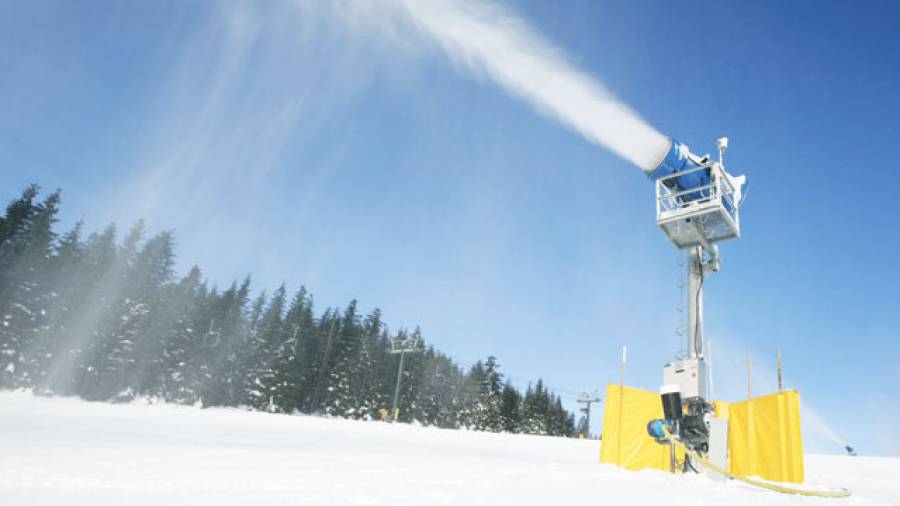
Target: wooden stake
x=749 y=375
x=709 y=368
x=780 y=388
x=621 y=396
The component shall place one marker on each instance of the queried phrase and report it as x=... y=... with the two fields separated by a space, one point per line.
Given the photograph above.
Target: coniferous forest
x=104 y=316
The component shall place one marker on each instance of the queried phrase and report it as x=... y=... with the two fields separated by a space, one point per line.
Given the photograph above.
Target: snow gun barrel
x=680 y=159
x=681 y=171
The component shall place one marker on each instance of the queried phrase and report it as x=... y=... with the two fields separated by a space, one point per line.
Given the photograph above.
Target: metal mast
x=697 y=206
x=587 y=400
x=701 y=261
x=402 y=347
x=695 y=302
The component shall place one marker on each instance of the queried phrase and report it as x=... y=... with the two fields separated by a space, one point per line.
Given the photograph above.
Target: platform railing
x=719 y=190
x=708 y=205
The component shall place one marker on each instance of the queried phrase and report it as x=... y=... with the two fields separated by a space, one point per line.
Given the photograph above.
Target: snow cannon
x=697 y=206
x=697 y=201
x=678 y=161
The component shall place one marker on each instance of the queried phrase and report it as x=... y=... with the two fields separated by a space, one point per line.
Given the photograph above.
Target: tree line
x=106 y=318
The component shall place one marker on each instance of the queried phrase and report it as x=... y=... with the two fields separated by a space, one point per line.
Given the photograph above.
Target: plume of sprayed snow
x=485 y=39
x=730 y=369
x=811 y=419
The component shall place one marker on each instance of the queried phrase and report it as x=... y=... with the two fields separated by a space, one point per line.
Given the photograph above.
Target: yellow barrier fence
x=763 y=434
x=624 y=436
x=764 y=438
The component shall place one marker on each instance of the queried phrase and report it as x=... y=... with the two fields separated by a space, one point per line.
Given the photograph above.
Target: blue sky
x=314 y=144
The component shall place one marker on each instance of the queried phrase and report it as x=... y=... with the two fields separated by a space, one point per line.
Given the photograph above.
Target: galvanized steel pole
x=402 y=347
x=695 y=301
x=396 y=408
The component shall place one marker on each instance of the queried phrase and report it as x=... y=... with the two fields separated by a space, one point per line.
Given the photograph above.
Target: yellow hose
x=841 y=492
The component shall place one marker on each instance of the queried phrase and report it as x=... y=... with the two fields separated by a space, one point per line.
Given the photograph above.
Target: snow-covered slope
x=67 y=451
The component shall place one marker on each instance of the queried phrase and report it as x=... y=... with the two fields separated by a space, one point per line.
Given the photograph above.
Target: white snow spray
x=731 y=383
x=483 y=38
x=811 y=419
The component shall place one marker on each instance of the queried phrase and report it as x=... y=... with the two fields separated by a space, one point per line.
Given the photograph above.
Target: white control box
x=689 y=374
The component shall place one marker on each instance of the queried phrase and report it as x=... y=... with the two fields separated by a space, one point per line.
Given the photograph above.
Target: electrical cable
x=698 y=331
x=697 y=345
x=839 y=492
x=690 y=465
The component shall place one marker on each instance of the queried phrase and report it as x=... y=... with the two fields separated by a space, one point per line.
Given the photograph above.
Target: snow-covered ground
x=67 y=451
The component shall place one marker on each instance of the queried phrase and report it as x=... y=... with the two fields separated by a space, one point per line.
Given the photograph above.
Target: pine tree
x=248 y=389
x=26 y=296
x=289 y=361
x=314 y=345
x=535 y=409
x=226 y=324
x=182 y=366
x=429 y=400
x=265 y=345
x=473 y=413
x=325 y=335
x=491 y=391
x=138 y=281
x=65 y=292
x=150 y=280
x=87 y=304
x=510 y=409
x=13 y=229
x=366 y=387
x=339 y=399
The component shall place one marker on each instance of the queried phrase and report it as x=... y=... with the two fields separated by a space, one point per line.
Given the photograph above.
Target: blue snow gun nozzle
x=695 y=173
x=679 y=159
x=659 y=429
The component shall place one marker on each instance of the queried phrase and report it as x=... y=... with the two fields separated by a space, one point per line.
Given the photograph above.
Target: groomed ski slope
x=57 y=451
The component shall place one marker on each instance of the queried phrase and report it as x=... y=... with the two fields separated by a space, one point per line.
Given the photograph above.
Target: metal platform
x=700 y=216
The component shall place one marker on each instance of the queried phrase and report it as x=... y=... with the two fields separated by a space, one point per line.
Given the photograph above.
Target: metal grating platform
x=698 y=216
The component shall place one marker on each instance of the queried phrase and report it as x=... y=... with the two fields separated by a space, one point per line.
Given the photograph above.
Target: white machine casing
x=689 y=374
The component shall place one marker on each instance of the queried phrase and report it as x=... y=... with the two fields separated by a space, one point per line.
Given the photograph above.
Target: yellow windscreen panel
x=624 y=436
x=764 y=438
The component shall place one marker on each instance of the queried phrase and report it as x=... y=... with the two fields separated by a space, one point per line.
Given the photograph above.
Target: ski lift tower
x=697 y=206
x=402 y=346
